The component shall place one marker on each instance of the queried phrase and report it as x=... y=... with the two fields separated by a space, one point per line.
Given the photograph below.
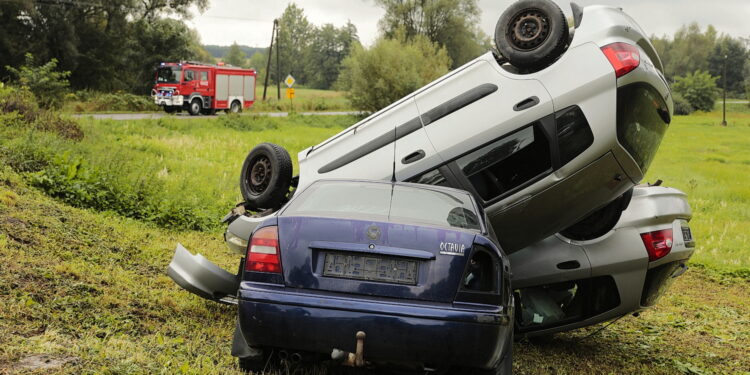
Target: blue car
x=367 y=274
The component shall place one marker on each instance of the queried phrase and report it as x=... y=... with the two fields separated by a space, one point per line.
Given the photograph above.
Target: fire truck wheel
x=208 y=111
x=169 y=109
x=266 y=176
x=195 y=107
x=532 y=34
x=236 y=107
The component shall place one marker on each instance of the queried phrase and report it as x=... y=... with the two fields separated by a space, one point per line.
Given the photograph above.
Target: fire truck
x=202 y=88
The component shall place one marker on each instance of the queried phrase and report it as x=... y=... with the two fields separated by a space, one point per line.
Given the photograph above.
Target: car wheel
x=600 y=222
x=266 y=176
x=169 y=109
x=208 y=111
x=531 y=34
x=235 y=107
x=195 y=107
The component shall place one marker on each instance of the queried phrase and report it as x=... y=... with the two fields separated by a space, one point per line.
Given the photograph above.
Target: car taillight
x=623 y=57
x=658 y=243
x=263 y=254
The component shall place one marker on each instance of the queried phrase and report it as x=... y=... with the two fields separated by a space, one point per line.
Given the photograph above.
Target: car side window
x=189 y=75
x=204 y=76
x=573 y=133
x=508 y=163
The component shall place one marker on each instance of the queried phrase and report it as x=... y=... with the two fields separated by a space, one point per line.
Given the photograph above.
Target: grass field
x=86 y=286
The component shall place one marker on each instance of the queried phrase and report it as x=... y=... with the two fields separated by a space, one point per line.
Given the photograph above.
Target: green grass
x=91 y=288
x=305 y=100
x=712 y=164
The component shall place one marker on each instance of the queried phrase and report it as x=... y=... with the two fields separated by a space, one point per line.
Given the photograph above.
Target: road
x=156 y=115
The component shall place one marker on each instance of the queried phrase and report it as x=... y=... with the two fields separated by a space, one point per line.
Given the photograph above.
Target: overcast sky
x=249 y=22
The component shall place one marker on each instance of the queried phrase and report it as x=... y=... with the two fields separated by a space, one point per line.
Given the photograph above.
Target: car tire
x=208 y=111
x=599 y=222
x=169 y=109
x=195 y=107
x=266 y=177
x=235 y=107
x=531 y=34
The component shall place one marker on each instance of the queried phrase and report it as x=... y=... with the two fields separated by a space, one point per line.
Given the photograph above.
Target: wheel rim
x=260 y=175
x=528 y=29
x=235 y=107
x=196 y=107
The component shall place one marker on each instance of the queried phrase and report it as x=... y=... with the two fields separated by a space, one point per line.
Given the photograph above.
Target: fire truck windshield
x=168 y=74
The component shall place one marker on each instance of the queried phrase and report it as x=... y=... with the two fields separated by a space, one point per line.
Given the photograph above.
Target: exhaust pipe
x=283 y=355
x=295 y=357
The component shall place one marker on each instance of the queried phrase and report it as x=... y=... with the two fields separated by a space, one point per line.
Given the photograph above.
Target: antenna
x=393 y=175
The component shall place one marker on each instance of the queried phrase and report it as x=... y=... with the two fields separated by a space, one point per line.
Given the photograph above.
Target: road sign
x=289 y=80
x=290 y=93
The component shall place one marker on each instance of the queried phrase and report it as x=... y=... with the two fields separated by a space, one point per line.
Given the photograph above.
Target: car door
x=366 y=150
x=478 y=104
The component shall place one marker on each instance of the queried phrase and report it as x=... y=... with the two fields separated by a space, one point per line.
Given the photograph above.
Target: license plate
x=687 y=235
x=371 y=268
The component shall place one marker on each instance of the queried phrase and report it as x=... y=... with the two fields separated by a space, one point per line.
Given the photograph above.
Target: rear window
x=642 y=120
x=386 y=202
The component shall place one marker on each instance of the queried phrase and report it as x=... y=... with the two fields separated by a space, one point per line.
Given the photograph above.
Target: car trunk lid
x=373 y=258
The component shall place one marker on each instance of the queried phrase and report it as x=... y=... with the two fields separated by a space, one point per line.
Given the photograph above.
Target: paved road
x=155 y=115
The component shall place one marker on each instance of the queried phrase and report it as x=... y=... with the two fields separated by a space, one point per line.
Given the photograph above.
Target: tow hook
x=356 y=359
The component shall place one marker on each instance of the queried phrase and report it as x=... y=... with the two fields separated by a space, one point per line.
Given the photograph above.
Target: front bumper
x=409 y=333
x=169 y=101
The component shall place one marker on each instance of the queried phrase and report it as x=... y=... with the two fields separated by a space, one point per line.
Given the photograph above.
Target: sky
x=249 y=22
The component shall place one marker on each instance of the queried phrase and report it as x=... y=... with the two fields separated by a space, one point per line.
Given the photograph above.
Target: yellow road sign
x=290 y=93
x=289 y=81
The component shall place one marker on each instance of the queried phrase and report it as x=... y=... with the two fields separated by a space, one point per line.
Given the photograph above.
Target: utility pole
x=270 y=54
x=724 y=78
x=278 y=64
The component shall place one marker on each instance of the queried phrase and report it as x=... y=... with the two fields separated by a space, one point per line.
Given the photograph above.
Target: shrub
x=389 y=70
x=681 y=106
x=92 y=101
x=48 y=85
x=699 y=89
x=24 y=103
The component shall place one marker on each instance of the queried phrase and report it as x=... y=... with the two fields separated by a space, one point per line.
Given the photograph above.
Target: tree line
x=115 y=45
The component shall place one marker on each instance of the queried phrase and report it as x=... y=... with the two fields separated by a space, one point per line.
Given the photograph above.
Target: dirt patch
x=42 y=362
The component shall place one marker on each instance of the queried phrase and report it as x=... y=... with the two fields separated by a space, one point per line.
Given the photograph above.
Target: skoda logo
x=373 y=232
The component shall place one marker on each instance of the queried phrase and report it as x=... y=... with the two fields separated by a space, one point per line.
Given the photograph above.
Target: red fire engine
x=203 y=89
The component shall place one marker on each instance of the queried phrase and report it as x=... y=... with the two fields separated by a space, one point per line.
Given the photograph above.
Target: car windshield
x=168 y=74
x=386 y=202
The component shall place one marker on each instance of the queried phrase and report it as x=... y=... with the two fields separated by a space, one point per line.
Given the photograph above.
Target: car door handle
x=414 y=156
x=526 y=104
x=569 y=265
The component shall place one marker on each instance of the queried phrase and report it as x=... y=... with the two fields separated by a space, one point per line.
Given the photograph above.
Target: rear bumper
x=430 y=335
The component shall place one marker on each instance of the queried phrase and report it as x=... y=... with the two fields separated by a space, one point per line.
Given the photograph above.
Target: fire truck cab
x=202 y=88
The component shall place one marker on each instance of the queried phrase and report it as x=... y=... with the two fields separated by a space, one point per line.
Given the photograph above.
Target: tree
x=391 y=69
x=47 y=84
x=329 y=47
x=235 y=56
x=699 y=89
x=449 y=23
x=688 y=51
x=736 y=57
x=100 y=42
x=295 y=32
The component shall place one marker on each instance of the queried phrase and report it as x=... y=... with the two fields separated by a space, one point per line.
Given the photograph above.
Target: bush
x=48 y=85
x=699 y=89
x=23 y=103
x=92 y=101
x=390 y=70
x=681 y=106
